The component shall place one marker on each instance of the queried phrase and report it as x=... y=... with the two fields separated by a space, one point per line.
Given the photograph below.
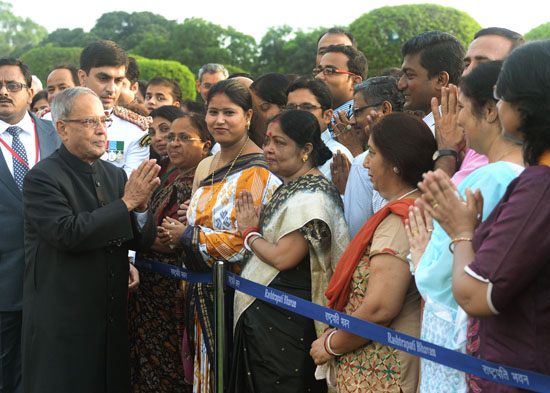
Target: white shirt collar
x=26 y=124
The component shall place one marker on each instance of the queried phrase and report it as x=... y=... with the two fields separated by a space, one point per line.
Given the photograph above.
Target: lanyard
x=17 y=155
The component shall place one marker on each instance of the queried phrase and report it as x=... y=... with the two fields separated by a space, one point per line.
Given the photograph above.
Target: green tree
x=272 y=50
x=129 y=30
x=41 y=60
x=149 y=68
x=17 y=34
x=381 y=32
x=196 y=42
x=299 y=52
x=243 y=50
x=541 y=32
x=69 y=38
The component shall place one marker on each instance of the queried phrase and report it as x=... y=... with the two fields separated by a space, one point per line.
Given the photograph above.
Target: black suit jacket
x=12 y=255
x=77 y=235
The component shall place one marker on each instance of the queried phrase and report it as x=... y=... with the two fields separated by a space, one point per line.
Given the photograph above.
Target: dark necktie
x=19 y=169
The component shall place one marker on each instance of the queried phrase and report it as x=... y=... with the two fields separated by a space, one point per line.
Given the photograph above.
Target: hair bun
x=324 y=154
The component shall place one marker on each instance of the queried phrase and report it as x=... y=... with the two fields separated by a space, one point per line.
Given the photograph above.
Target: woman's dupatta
x=339 y=286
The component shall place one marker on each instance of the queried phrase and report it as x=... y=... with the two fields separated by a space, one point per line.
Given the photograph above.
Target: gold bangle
x=456 y=240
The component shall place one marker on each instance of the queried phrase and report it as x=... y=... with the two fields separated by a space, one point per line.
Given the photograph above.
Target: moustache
x=5 y=99
x=106 y=95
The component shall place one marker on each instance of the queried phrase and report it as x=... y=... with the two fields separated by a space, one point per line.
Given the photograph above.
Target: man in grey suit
x=24 y=140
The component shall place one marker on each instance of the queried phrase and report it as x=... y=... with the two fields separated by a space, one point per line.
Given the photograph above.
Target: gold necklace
x=507 y=152
x=226 y=173
x=309 y=171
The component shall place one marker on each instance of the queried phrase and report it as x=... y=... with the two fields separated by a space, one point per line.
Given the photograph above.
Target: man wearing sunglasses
x=341 y=68
x=24 y=140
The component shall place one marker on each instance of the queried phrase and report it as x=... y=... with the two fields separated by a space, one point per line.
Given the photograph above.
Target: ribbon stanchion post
x=218 y=279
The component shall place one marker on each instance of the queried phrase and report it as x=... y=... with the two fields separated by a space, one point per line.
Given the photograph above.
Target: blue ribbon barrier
x=172 y=271
x=491 y=371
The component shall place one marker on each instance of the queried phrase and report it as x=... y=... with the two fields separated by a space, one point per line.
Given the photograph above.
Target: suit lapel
x=7 y=179
x=47 y=140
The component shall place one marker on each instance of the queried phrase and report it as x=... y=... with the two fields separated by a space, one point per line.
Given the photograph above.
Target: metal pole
x=219 y=312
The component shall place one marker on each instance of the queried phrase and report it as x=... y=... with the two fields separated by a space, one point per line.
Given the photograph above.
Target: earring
x=305 y=157
x=248 y=125
x=396 y=169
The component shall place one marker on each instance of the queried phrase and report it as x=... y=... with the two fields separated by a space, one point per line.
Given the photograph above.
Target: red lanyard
x=35 y=147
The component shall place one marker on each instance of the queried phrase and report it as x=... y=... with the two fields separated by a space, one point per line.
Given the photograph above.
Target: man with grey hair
x=209 y=75
x=372 y=98
x=81 y=216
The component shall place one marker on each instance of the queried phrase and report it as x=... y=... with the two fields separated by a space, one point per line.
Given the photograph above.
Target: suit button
x=118 y=243
x=97 y=183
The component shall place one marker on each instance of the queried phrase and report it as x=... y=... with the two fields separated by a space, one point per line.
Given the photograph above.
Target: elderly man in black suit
x=81 y=216
x=24 y=140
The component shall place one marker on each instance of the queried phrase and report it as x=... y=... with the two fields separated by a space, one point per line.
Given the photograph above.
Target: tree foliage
x=381 y=32
x=69 y=38
x=128 y=30
x=541 y=32
x=148 y=69
x=299 y=52
x=17 y=34
x=287 y=52
x=195 y=42
x=271 y=50
x=41 y=60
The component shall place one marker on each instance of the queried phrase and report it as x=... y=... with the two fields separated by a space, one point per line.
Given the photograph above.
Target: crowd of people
x=415 y=199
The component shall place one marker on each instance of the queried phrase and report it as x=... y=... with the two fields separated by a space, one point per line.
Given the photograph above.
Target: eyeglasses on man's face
x=304 y=107
x=13 y=87
x=92 y=122
x=331 y=71
x=356 y=111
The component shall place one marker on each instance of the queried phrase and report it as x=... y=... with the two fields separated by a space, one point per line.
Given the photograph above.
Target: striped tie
x=19 y=169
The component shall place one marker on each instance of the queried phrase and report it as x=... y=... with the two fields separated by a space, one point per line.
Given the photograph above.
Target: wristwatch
x=441 y=153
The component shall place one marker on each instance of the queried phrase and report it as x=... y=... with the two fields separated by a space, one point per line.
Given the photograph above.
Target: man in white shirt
x=103 y=69
x=24 y=140
x=373 y=98
x=314 y=96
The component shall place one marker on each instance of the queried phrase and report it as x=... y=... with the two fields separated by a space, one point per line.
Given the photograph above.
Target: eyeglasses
x=92 y=122
x=303 y=107
x=357 y=110
x=180 y=137
x=331 y=71
x=13 y=86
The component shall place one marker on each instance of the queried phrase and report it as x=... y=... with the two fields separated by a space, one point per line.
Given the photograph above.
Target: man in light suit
x=24 y=140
